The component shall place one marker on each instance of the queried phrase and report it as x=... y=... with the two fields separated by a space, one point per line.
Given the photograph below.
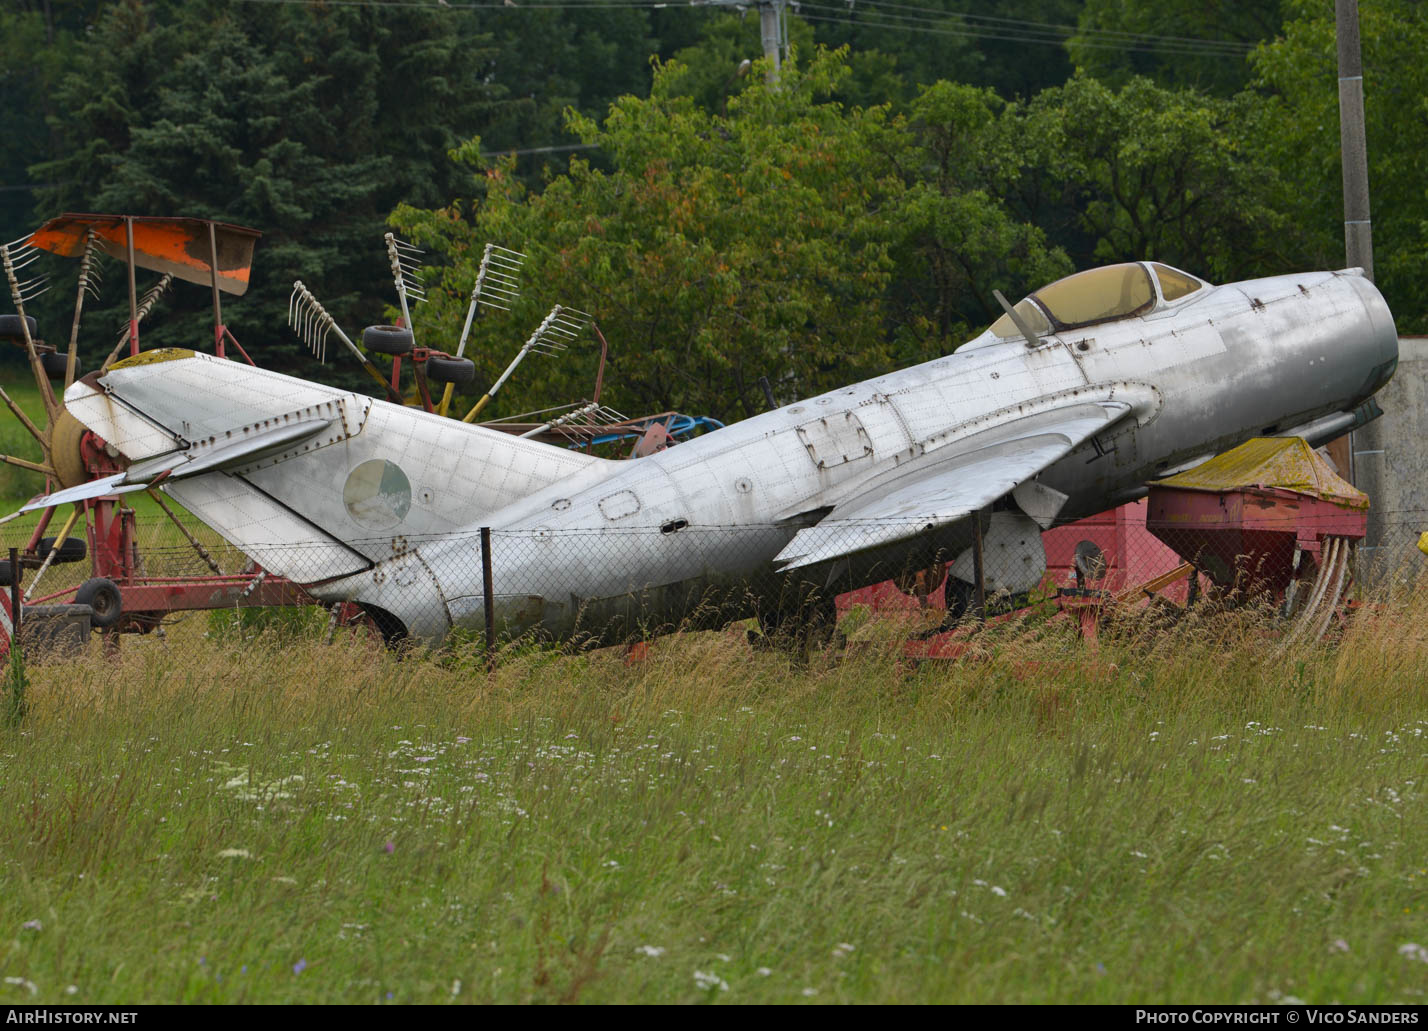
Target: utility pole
x=1370 y=473
x=773 y=27
x=1358 y=227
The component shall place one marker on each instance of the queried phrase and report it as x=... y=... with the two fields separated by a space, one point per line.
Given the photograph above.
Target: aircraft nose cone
x=1380 y=339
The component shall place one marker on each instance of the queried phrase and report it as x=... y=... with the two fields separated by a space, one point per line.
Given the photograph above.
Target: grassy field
x=1186 y=817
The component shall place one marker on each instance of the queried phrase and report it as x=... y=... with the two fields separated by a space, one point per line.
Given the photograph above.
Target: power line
x=1055 y=36
x=559 y=148
x=906 y=17
x=965 y=34
x=1065 y=29
x=451 y=8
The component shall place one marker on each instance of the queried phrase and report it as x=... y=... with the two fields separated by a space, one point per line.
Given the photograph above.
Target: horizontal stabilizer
x=107 y=487
x=198 y=459
x=960 y=479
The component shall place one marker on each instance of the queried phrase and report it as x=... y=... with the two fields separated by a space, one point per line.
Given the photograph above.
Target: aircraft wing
x=950 y=483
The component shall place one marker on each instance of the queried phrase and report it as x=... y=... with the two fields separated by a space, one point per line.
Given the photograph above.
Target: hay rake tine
x=42 y=381
x=409 y=263
x=88 y=271
x=401 y=257
x=23 y=257
x=567 y=418
x=550 y=337
x=497 y=286
x=151 y=298
x=312 y=323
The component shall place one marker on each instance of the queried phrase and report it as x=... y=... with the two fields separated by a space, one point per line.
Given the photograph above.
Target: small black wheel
x=1089 y=561
x=6 y=577
x=55 y=363
x=72 y=550
x=12 y=329
x=960 y=596
x=104 y=598
x=387 y=339
x=443 y=369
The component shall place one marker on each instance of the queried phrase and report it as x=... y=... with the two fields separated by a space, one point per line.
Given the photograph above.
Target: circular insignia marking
x=377 y=494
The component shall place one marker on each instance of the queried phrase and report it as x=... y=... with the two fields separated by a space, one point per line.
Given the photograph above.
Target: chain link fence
x=184 y=588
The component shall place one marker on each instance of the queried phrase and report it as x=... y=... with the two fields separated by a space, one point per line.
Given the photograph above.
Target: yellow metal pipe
x=471 y=415
x=54 y=550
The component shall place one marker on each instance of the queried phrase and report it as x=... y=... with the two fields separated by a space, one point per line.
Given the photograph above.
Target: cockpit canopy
x=1099 y=295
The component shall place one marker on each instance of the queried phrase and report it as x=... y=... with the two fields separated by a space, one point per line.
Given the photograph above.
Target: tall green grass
x=1180 y=815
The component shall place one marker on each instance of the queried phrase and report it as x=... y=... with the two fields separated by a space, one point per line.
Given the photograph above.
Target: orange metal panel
x=175 y=245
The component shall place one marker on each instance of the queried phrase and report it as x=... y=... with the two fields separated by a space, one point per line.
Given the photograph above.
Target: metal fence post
x=488 y=596
x=14 y=597
x=980 y=581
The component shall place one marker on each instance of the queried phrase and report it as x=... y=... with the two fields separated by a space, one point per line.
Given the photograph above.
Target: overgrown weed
x=1185 y=811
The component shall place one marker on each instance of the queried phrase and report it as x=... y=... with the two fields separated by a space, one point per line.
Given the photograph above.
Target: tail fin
x=374 y=478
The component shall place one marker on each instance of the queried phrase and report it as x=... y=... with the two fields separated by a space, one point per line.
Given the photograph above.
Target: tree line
x=856 y=216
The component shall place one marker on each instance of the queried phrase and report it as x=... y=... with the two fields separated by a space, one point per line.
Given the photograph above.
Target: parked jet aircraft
x=1066 y=406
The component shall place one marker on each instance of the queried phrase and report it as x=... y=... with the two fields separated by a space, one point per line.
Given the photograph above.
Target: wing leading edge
x=954 y=482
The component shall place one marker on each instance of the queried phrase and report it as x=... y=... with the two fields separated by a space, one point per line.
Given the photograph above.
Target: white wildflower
x=710 y=981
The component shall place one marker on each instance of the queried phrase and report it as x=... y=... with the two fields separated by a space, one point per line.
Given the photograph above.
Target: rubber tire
x=72 y=550
x=960 y=597
x=104 y=598
x=802 y=624
x=11 y=328
x=442 y=369
x=5 y=577
x=55 y=363
x=387 y=339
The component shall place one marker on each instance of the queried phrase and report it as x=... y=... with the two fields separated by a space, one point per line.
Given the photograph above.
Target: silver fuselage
x=1255 y=358
x=361 y=500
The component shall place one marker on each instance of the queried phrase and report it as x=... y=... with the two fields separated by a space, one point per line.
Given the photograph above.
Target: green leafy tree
x=307 y=122
x=1300 y=72
x=957 y=240
x=1015 y=47
x=718 y=248
x=1149 y=172
x=550 y=59
x=1204 y=45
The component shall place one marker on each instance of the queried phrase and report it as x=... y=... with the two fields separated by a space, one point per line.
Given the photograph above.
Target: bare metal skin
x=372 y=502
